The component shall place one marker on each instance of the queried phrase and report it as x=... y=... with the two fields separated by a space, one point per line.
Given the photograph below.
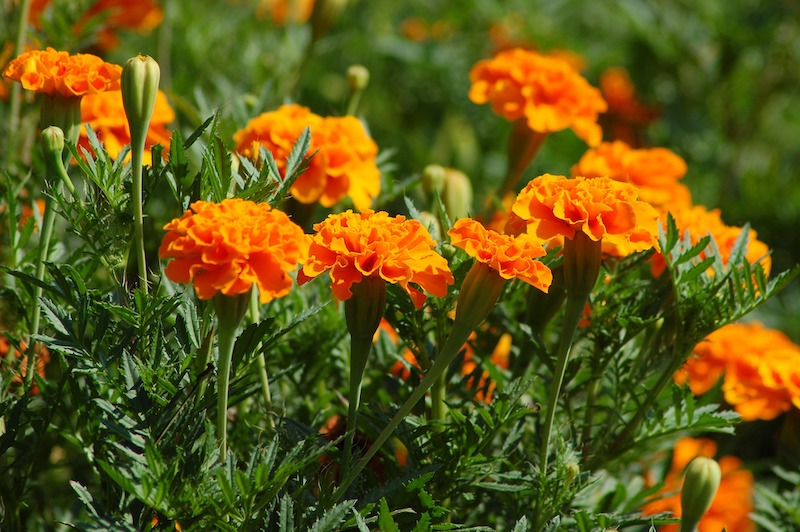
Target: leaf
x=385 y=520
x=286 y=516
x=521 y=525
x=331 y=519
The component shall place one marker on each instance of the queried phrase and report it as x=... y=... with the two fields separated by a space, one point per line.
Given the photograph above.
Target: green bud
x=700 y=485
x=53 y=140
x=573 y=470
x=433 y=178
x=357 y=78
x=457 y=195
x=139 y=84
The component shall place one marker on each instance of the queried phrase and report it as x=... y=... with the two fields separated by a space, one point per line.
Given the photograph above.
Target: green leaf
x=385 y=520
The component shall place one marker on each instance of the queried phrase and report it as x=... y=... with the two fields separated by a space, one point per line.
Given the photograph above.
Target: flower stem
x=360 y=348
x=438 y=406
x=48 y=223
x=255 y=317
x=138 y=214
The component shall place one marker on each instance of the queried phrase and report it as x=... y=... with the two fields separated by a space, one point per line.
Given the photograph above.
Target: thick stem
x=261 y=361
x=438 y=406
x=138 y=212
x=360 y=348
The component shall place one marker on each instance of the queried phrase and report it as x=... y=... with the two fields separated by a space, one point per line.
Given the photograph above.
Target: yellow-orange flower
x=734 y=500
x=510 y=256
x=761 y=369
x=353 y=246
x=543 y=90
x=700 y=222
x=343 y=164
x=71 y=76
x=654 y=171
x=625 y=112
x=105 y=114
x=21 y=363
x=229 y=246
x=601 y=208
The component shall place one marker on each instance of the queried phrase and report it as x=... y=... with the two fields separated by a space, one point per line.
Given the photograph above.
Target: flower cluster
x=760 y=368
x=58 y=73
x=353 y=246
x=344 y=155
x=229 y=246
x=543 y=90
x=733 y=502
x=654 y=171
x=603 y=209
x=106 y=116
x=510 y=256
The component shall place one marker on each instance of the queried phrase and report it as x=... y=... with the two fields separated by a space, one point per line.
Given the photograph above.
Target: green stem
x=48 y=223
x=448 y=353
x=138 y=212
x=230 y=310
x=572 y=316
x=360 y=348
x=438 y=406
x=16 y=88
x=261 y=361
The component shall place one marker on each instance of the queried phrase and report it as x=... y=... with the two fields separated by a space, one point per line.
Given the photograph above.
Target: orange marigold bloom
x=21 y=362
x=284 y=12
x=72 y=76
x=544 y=90
x=625 y=112
x=700 y=222
x=761 y=369
x=734 y=500
x=511 y=256
x=353 y=246
x=227 y=247
x=601 y=208
x=105 y=114
x=344 y=162
x=654 y=171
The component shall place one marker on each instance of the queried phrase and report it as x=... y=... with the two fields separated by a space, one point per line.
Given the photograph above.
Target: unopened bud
x=433 y=178
x=457 y=195
x=53 y=140
x=573 y=470
x=139 y=84
x=700 y=485
x=357 y=77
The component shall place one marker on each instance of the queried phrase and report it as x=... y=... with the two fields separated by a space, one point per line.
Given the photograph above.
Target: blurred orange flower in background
x=58 y=73
x=700 y=222
x=139 y=15
x=284 y=12
x=352 y=246
x=105 y=114
x=734 y=500
x=625 y=112
x=512 y=257
x=761 y=369
x=545 y=91
x=654 y=171
x=344 y=162
x=601 y=208
x=229 y=246
x=20 y=362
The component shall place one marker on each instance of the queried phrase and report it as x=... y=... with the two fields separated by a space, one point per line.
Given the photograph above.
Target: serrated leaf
x=385 y=520
x=331 y=519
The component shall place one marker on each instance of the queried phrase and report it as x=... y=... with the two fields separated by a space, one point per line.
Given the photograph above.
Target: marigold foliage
x=58 y=73
x=513 y=257
x=544 y=90
x=344 y=155
x=229 y=246
x=761 y=369
x=733 y=502
x=106 y=116
x=603 y=209
x=352 y=246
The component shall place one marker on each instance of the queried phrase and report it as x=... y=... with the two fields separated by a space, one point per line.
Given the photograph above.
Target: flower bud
x=433 y=178
x=457 y=195
x=573 y=470
x=140 y=77
x=53 y=140
x=357 y=78
x=700 y=485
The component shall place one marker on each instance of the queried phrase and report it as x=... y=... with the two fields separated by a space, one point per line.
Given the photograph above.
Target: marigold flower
x=700 y=222
x=544 y=90
x=344 y=160
x=654 y=171
x=105 y=114
x=511 y=256
x=733 y=502
x=229 y=246
x=58 y=73
x=760 y=368
x=601 y=208
x=625 y=111
x=353 y=246
x=21 y=362
x=284 y=12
